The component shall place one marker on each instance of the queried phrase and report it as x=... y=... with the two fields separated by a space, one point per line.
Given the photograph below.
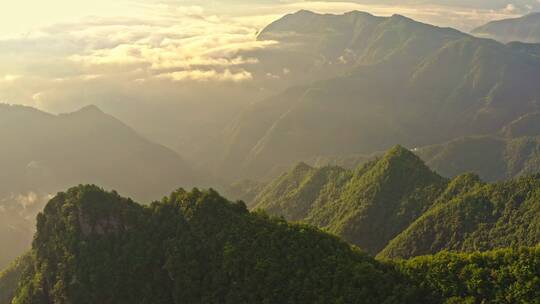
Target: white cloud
x=163 y=44
x=209 y=75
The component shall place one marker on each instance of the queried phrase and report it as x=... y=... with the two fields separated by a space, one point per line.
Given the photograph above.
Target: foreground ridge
x=94 y=246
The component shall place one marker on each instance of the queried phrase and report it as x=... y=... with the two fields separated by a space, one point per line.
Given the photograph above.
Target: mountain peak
x=90 y=109
x=399 y=160
x=304 y=12
x=302 y=166
x=400 y=152
x=401 y=17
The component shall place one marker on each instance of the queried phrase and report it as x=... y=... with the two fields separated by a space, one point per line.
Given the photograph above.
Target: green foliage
x=502 y=276
x=395 y=207
x=193 y=247
x=481 y=217
x=94 y=246
x=368 y=206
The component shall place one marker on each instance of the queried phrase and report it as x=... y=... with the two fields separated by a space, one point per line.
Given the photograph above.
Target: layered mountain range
x=397 y=207
x=512 y=152
x=357 y=85
x=405 y=82
x=524 y=29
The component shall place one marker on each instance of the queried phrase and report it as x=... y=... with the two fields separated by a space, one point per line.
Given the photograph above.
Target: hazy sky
x=61 y=54
x=23 y=15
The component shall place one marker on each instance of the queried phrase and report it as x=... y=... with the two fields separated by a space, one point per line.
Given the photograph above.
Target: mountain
x=46 y=153
x=396 y=207
x=494 y=158
x=482 y=217
x=495 y=5
x=393 y=92
x=368 y=206
x=524 y=29
x=512 y=152
x=93 y=246
x=43 y=153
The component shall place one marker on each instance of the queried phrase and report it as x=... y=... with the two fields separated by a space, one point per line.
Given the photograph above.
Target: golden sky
x=25 y=15
x=59 y=54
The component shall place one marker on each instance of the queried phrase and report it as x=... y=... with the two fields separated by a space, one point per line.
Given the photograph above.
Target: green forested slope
x=196 y=247
x=97 y=247
x=484 y=217
x=368 y=206
x=396 y=207
x=497 y=277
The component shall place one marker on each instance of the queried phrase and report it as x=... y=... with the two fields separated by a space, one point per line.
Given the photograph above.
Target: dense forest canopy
x=94 y=246
x=395 y=206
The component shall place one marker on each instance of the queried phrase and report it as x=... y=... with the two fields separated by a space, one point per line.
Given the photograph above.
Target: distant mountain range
x=399 y=81
x=395 y=206
x=46 y=153
x=512 y=152
x=42 y=154
x=523 y=29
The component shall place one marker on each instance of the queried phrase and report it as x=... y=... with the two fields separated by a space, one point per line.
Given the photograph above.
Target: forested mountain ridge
x=94 y=246
x=523 y=29
x=97 y=247
x=395 y=206
x=368 y=206
x=394 y=92
x=484 y=217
